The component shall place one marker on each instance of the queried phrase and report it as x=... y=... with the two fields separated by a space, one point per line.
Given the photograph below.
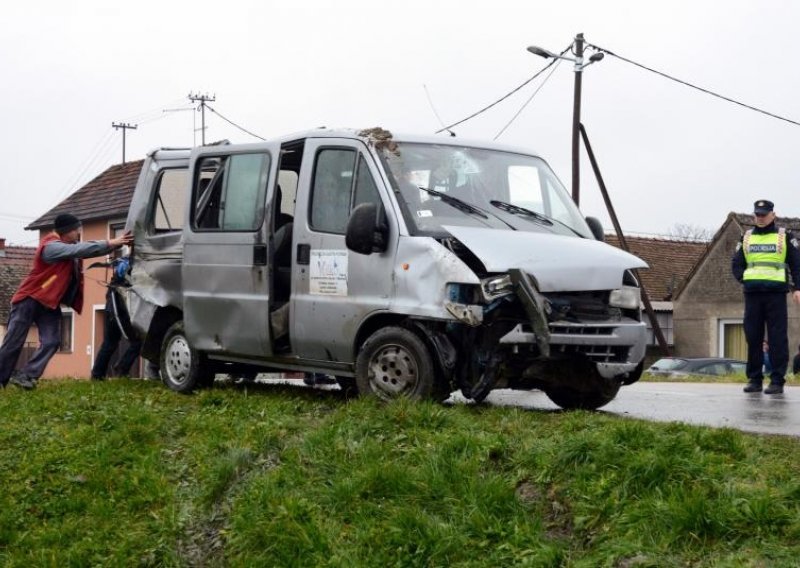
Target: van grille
x=581 y=330
x=597 y=353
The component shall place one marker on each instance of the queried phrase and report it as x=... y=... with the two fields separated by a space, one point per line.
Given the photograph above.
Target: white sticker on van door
x=328 y=272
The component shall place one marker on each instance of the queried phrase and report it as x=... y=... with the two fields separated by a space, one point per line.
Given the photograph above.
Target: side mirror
x=596 y=227
x=366 y=232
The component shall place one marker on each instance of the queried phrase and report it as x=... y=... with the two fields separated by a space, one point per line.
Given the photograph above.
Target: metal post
x=124 y=126
x=203 y=99
x=648 y=307
x=576 y=120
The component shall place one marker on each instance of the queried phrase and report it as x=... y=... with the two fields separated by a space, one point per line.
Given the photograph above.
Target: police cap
x=763 y=206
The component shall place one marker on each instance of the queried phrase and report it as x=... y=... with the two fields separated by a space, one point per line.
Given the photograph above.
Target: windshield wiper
x=456 y=202
x=517 y=210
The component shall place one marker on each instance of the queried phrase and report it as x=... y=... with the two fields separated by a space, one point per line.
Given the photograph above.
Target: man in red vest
x=56 y=279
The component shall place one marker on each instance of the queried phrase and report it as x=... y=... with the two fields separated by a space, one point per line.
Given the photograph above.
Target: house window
x=67 y=330
x=732 y=342
x=116 y=230
x=664 y=320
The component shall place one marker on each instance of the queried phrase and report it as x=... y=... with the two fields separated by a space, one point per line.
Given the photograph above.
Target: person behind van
x=56 y=279
x=112 y=334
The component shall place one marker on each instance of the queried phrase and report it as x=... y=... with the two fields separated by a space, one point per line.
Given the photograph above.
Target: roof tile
x=108 y=195
x=14 y=266
x=670 y=262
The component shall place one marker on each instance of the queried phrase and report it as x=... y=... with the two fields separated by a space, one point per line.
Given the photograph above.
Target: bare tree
x=689 y=232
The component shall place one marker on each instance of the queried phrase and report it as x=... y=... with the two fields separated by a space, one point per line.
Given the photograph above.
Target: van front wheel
x=394 y=363
x=183 y=369
x=588 y=398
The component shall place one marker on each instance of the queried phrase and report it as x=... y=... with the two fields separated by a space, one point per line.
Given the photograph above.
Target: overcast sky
x=668 y=154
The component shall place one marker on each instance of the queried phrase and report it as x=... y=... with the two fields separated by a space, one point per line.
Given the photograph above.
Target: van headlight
x=496 y=286
x=627 y=297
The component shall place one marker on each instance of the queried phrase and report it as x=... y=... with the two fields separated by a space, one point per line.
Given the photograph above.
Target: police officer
x=761 y=262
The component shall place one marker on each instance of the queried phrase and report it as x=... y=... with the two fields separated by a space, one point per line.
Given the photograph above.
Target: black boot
x=774 y=388
x=753 y=386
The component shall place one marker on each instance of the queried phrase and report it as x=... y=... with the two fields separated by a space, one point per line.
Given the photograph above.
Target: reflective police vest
x=765 y=256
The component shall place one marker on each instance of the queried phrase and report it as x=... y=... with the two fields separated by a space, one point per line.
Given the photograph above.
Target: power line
x=701 y=89
x=539 y=88
x=504 y=97
x=16 y=217
x=433 y=108
x=157 y=111
x=209 y=107
x=101 y=145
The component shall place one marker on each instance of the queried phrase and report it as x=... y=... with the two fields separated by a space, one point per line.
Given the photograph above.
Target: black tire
x=393 y=363
x=591 y=397
x=182 y=369
x=348 y=386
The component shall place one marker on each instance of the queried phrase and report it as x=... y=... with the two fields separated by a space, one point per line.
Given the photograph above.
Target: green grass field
x=126 y=473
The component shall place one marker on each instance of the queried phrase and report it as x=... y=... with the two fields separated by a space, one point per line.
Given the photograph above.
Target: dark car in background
x=683 y=366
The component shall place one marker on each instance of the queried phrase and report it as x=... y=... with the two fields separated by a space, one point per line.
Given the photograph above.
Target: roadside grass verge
x=791 y=380
x=128 y=473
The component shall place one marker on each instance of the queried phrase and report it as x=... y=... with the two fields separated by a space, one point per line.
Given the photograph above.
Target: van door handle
x=303 y=254
x=260 y=255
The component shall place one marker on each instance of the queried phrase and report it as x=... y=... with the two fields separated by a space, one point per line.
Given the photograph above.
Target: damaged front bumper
x=616 y=345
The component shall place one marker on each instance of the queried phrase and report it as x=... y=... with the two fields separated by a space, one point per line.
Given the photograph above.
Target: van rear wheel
x=183 y=369
x=395 y=363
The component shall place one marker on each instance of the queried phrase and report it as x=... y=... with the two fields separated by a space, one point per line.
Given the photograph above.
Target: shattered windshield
x=515 y=190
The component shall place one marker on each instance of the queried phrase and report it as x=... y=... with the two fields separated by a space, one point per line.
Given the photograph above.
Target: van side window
x=170 y=200
x=366 y=192
x=229 y=192
x=336 y=190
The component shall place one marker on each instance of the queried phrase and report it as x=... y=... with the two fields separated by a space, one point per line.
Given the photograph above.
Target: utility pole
x=124 y=126
x=578 y=45
x=203 y=100
x=576 y=121
x=648 y=306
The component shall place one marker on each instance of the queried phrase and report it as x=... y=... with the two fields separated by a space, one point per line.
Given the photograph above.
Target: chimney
x=2 y=247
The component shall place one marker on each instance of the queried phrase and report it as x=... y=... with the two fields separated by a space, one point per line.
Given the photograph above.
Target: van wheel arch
x=410 y=367
x=439 y=346
x=162 y=320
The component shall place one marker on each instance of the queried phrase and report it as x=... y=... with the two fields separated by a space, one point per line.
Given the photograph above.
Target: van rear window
x=170 y=205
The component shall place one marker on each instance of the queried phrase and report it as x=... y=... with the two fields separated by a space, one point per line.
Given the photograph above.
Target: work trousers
x=111 y=338
x=48 y=321
x=766 y=309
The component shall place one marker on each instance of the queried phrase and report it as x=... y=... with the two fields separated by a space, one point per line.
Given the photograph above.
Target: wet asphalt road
x=719 y=405
x=704 y=404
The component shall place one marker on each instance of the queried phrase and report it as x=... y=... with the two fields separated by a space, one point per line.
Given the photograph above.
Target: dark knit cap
x=66 y=222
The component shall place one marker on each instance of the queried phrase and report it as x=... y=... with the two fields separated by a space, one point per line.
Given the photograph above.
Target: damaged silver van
x=405 y=266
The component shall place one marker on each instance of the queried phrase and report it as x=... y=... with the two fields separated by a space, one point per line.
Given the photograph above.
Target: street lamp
x=541 y=52
x=576 y=109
